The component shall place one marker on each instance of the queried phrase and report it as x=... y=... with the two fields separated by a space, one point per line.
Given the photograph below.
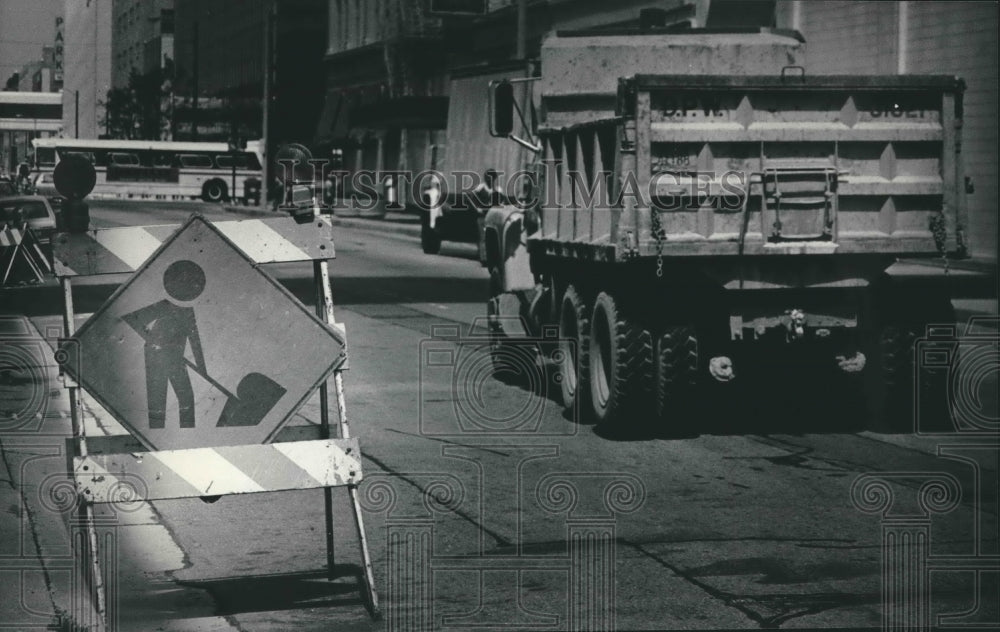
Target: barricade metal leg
x=325 y=295
x=80 y=436
x=326 y=314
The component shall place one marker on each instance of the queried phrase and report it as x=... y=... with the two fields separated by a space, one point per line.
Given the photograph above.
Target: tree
x=141 y=110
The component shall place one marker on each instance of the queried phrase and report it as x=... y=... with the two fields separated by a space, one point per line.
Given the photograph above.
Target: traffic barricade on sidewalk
x=182 y=323
x=21 y=257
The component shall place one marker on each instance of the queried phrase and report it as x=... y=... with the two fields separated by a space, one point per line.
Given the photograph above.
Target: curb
x=247 y=210
x=376 y=225
x=35 y=516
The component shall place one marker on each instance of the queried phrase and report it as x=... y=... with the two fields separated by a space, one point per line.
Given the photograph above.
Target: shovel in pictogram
x=256 y=395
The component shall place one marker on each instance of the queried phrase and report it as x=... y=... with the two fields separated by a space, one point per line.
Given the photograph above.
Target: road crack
x=768 y=611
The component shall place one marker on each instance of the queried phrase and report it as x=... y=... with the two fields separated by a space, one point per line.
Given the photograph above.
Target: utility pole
x=194 y=72
x=76 y=115
x=522 y=27
x=522 y=52
x=265 y=184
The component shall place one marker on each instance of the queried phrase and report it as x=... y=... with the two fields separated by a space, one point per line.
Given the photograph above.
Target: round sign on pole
x=297 y=154
x=74 y=177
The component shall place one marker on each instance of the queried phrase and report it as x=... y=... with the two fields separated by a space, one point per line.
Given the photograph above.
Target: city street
x=487 y=506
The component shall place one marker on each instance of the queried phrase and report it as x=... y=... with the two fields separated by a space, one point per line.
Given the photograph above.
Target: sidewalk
x=42 y=574
x=39 y=572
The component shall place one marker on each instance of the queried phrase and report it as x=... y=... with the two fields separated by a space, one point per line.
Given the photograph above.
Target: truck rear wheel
x=676 y=358
x=892 y=381
x=430 y=240
x=620 y=361
x=574 y=336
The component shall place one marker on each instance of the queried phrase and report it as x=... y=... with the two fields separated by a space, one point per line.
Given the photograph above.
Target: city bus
x=160 y=170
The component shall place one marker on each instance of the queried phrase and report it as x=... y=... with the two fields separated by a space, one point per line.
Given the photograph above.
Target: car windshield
x=23 y=210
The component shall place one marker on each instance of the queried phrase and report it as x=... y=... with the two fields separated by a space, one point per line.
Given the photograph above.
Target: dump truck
x=701 y=206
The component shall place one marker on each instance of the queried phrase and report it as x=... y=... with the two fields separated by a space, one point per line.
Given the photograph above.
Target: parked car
x=7 y=187
x=34 y=210
x=45 y=186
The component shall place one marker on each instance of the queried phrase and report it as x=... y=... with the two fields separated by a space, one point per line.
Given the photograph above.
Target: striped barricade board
x=126 y=249
x=21 y=257
x=222 y=470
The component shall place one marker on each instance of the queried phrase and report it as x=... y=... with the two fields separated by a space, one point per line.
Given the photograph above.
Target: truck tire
x=676 y=358
x=214 y=191
x=574 y=335
x=620 y=362
x=892 y=383
x=430 y=240
x=889 y=383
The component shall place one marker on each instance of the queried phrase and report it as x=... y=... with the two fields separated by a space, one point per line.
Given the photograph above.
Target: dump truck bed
x=755 y=165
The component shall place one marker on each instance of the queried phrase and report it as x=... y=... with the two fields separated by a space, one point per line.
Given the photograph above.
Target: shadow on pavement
x=283 y=591
x=47 y=299
x=386 y=290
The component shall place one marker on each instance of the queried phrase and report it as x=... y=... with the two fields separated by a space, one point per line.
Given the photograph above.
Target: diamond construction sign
x=200 y=348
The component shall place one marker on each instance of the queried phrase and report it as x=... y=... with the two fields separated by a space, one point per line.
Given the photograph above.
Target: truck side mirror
x=501 y=109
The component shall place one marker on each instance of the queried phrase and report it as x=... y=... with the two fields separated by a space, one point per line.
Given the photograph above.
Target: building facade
x=41 y=75
x=142 y=38
x=24 y=116
x=389 y=65
x=140 y=104
x=87 y=67
x=220 y=68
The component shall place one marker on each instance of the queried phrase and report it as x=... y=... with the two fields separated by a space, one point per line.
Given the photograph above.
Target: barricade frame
x=74 y=256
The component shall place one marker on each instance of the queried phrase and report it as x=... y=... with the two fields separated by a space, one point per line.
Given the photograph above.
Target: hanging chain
x=658 y=234
x=939 y=229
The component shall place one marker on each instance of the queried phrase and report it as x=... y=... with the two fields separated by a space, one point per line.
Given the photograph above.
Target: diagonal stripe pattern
x=132 y=247
x=245 y=469
x=125 y=249
x=9 y=237
x=21 y=257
